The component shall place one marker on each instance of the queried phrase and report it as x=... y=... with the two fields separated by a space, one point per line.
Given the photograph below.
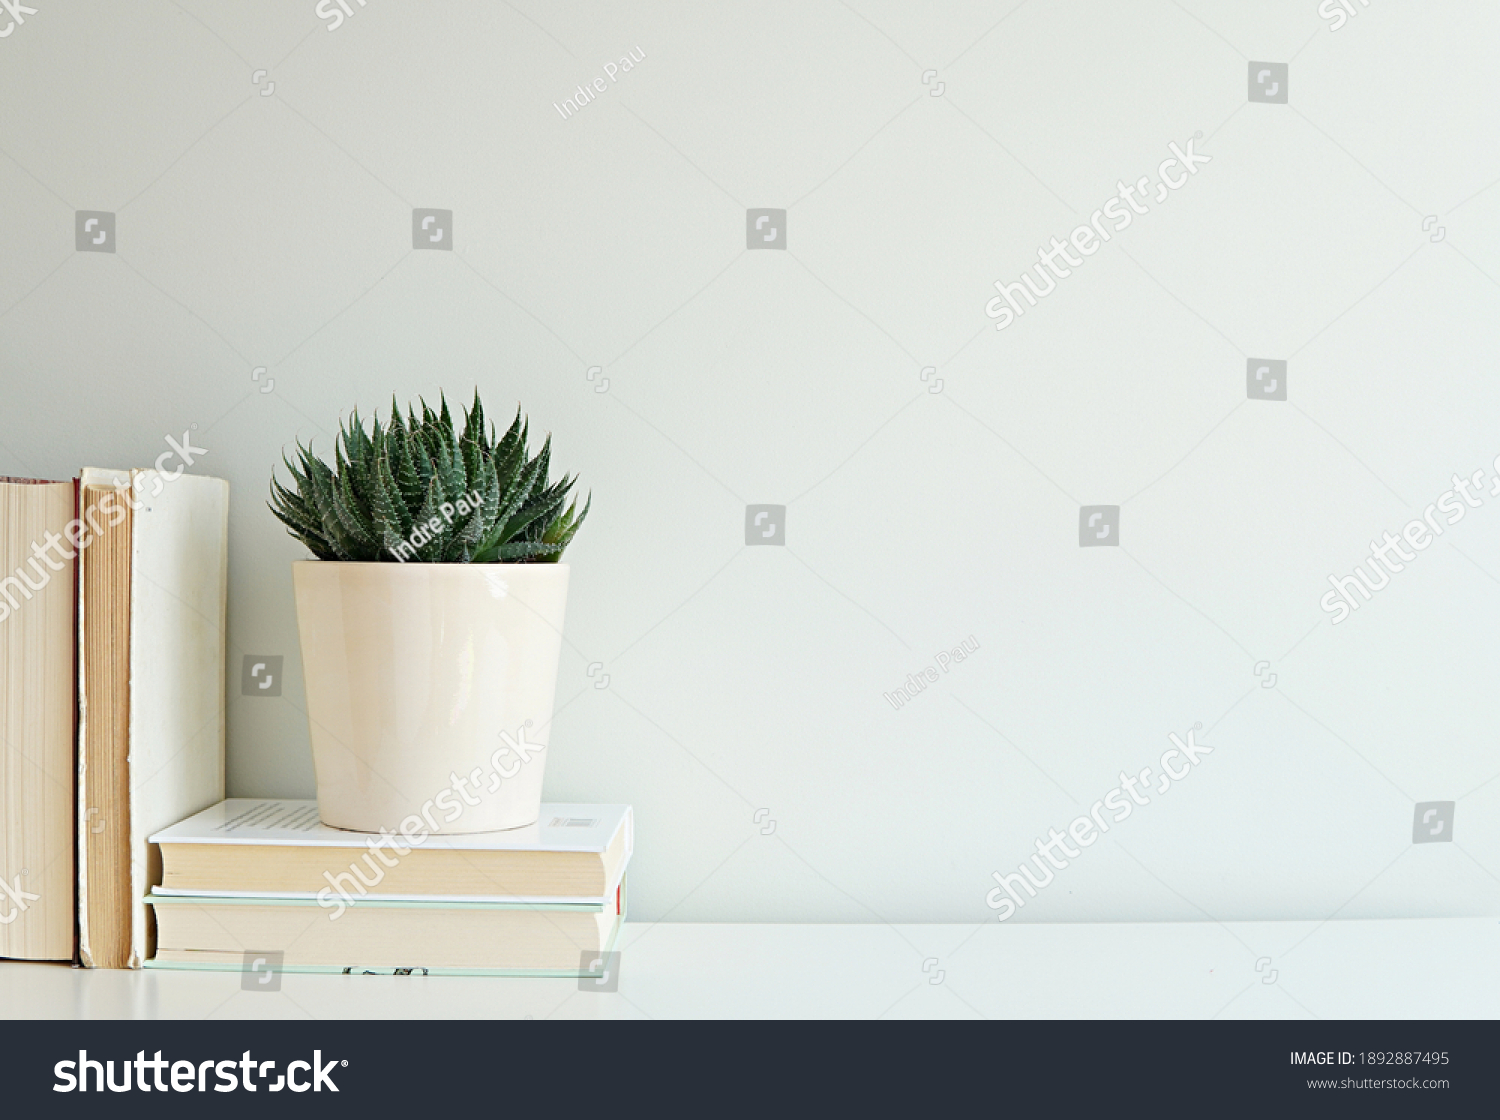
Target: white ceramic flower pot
x=429 y=690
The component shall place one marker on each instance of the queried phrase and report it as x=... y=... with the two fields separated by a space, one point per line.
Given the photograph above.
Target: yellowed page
x=36 y=721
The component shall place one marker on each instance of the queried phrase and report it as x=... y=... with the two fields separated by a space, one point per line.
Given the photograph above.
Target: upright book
x=151 y=604
x=36 y=719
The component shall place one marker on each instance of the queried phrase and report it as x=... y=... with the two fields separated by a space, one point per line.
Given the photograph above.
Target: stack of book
x=112 y=595
x=252 y=877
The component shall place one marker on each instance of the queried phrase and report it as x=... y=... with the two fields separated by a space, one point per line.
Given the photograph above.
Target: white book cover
x=179 y=559
x=293 y=823
x=178 y=596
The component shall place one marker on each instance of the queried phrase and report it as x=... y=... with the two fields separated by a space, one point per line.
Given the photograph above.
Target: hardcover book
x=36 y=719
x=151 y=602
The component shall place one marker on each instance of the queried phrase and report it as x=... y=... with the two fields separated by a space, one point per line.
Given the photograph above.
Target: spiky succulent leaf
x=392 y=519
x=527 y=550
x=418 y=488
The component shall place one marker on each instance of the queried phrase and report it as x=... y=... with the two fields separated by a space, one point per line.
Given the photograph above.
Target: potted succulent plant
x=431 y=619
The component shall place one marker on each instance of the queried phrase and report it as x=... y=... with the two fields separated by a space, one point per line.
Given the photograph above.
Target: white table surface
x=1431 y=968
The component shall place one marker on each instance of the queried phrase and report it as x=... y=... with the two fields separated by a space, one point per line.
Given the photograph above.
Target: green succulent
x=419 y=490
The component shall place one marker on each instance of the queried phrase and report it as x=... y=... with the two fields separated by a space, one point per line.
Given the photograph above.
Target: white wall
x=275 y=230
